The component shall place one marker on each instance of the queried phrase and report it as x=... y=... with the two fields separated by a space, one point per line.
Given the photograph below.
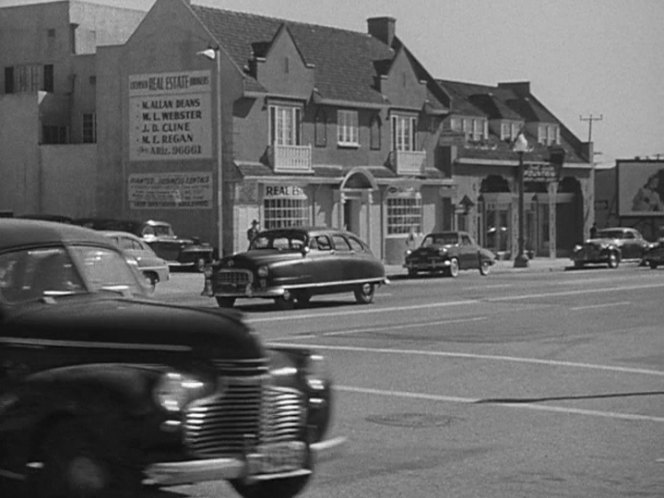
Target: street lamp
x=520 y=146
x=213 y=55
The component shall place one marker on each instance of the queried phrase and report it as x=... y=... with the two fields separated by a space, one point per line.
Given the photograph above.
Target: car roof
x=119 y=233
x=23 y=232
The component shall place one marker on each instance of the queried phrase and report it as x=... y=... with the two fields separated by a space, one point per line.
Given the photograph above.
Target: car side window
x=322 y=243
x=356 y=245
x=629 y=235
x=465 y=240
x=340 y=243
x=125 y=243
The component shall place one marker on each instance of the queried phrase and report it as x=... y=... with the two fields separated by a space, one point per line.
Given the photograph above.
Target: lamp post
x=213 y=54
x=520 y=146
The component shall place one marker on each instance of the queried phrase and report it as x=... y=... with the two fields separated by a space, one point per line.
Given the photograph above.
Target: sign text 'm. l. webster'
x=170 y=116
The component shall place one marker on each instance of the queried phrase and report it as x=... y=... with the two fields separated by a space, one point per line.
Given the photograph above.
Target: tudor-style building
x=210 y=118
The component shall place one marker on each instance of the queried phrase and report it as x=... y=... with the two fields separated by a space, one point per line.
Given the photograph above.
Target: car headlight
x=263 y=271
x=408 y=252
x=316 y=373
x=577 y=248
x=442 y=251
x=174 y=390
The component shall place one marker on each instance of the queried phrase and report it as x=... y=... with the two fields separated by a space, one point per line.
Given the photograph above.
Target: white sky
x=582 y=57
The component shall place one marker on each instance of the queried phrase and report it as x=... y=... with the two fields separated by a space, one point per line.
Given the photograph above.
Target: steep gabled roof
x=346 y=62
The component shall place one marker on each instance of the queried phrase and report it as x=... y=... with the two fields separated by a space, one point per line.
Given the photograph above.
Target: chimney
x=382 y=28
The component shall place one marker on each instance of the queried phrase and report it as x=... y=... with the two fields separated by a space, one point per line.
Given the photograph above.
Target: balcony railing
x=408 y=162
x=290 y=158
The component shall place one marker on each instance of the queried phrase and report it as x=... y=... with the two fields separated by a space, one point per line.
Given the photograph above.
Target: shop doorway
x=352 y=209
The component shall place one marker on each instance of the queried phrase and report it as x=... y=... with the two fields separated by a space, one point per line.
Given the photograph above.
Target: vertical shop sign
x=170 y=116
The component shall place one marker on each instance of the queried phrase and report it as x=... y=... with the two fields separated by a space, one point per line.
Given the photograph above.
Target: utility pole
x=590 y=120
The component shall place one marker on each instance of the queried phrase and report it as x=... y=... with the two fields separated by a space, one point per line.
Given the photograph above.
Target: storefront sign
x=170 y=191
x=539 y=173
x=283 y=191
x=170 y=116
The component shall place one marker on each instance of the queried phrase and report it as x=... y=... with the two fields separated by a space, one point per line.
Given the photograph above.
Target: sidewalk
x=540 y=264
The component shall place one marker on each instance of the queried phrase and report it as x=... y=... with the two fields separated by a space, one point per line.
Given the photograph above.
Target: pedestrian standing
x=593 y=231
x=253 y=230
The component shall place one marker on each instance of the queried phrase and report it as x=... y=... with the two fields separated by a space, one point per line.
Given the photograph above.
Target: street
x=519 y=384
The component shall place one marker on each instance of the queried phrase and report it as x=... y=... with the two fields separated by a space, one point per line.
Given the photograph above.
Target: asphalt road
x=519 y=384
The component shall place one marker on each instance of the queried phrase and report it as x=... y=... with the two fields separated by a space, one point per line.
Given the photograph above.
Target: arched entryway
x=355 y=198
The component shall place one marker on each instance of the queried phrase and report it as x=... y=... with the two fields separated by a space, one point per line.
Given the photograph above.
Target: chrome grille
x=248 y=411
x=232 y=280
x=241 y=368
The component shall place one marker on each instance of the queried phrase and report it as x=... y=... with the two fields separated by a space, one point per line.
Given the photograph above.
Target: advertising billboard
x=640 y=188
x=170 y=116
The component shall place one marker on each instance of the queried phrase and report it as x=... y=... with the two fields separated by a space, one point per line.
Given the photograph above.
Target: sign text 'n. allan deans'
x=170 y=116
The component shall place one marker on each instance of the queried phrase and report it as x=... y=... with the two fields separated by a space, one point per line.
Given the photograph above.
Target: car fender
x=80 y=390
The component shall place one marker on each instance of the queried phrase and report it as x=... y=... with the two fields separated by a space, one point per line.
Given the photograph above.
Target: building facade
x=211 y=118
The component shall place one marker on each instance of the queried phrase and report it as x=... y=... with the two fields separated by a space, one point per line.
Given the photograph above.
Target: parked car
x=654 y=256
x=610 y=246
x=154 y=268
x=103 y=390
x=294 y=264
x=59 y=218
x=179 y=252
x=449 y=252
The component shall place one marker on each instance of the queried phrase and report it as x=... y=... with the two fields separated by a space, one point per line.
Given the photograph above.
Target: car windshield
x=440 y=239
x=31 y=274
x=610 y=234
x=282 y=241
x=159 y=231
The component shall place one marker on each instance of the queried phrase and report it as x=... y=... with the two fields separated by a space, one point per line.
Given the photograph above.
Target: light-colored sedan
x=152 y=266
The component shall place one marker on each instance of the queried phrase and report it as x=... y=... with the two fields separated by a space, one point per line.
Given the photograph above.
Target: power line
x=590 y=120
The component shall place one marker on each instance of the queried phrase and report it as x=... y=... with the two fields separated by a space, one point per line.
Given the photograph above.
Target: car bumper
x=427 y=265
x=216 y=469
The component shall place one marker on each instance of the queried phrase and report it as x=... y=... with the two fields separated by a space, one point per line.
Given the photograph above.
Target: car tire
x=653 y=264
x=485 y=267
x=303 y=298
x=364 y=293
x=225 y=302
x=285 y=302
x=453 y=269
x=277 y=488
x=613 y=261
x=78 y=461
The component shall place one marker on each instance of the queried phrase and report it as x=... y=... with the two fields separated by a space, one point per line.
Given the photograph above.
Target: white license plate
x=278 y=457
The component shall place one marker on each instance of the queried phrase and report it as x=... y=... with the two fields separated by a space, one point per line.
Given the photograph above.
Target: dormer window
x=548 y=134
x=509 y=130
x=475 y=129
x=347 y=128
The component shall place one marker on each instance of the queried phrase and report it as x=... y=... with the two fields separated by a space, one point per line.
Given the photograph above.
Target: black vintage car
x=610 y=246
x=448 y=252
x=177 y=251
x=293 y=264
x=104 y=391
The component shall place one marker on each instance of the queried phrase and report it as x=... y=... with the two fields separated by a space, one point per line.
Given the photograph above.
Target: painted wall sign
x=170 y=190
x=170 y=116
x=540 y=173
x=640 y=188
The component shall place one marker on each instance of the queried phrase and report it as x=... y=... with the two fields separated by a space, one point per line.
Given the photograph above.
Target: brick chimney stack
x=382 y=28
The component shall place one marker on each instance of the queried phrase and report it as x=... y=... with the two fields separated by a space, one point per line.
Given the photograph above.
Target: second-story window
x=375 y=128
x=320 y=128
x=49 y=80
x=403 y=132
x=9 y=79
x=347 y=128
x=285 y=125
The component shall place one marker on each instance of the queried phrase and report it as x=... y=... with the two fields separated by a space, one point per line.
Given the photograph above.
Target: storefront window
x=404 y=214
x=285 y=206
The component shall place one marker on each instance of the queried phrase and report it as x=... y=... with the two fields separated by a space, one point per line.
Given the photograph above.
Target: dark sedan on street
x=610 y=246
x=449 y=252
x=291 y=265
x=104 y=391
